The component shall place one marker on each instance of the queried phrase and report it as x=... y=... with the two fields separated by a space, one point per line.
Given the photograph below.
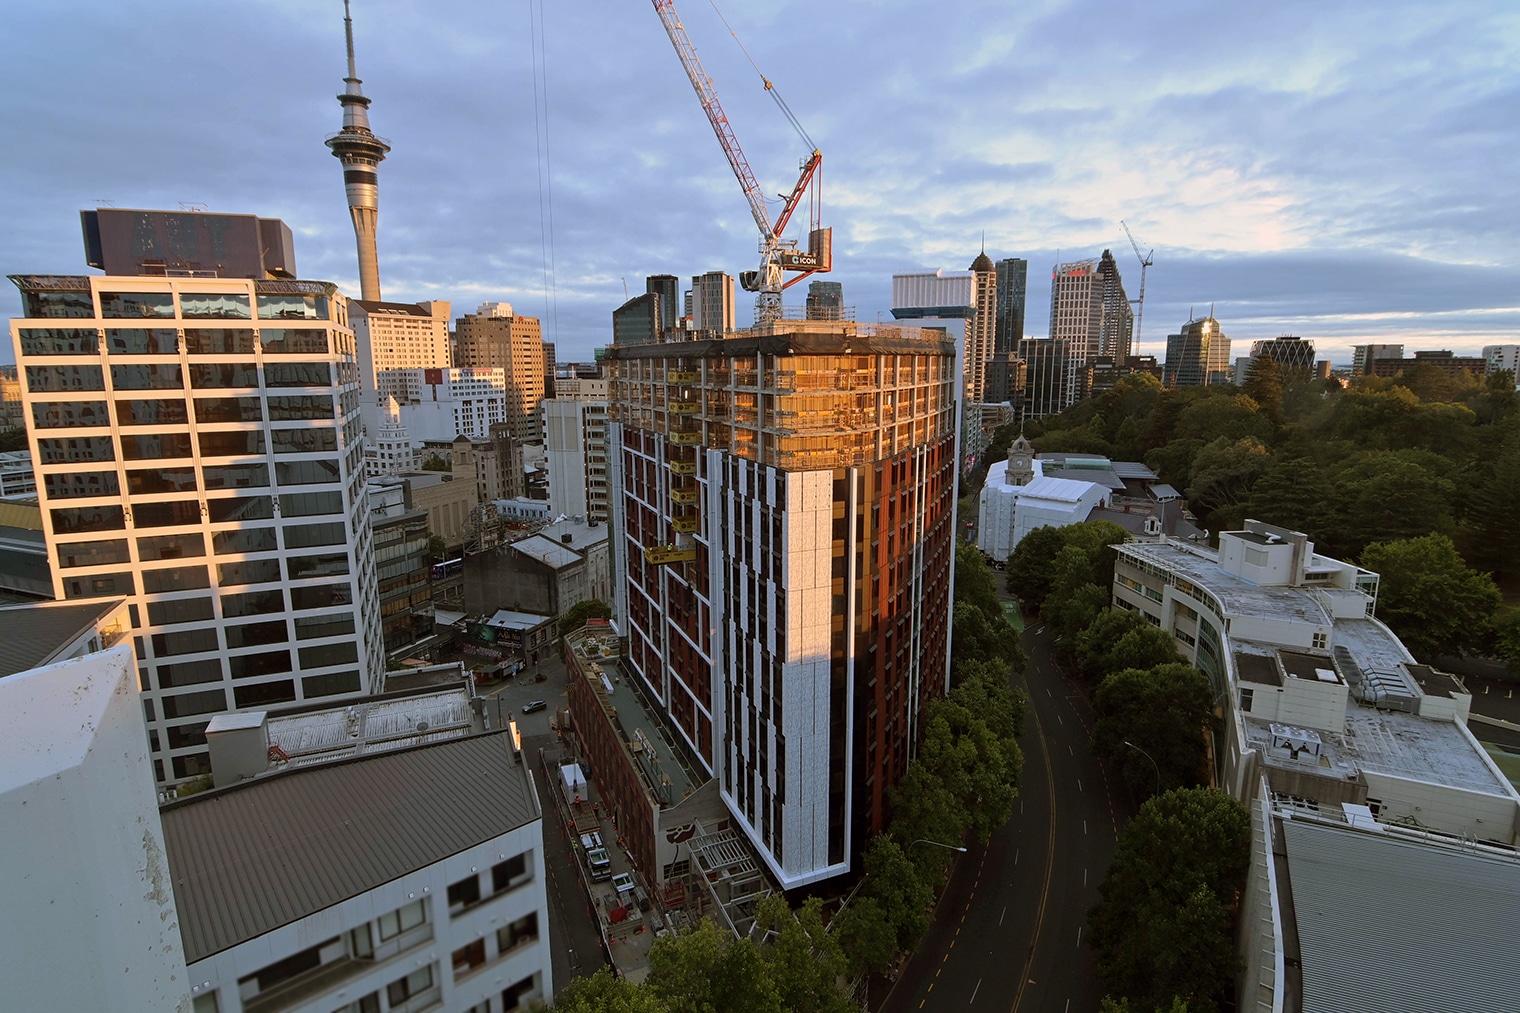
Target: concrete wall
x=1260 y=943
x=1443 y=808
x=91 y=922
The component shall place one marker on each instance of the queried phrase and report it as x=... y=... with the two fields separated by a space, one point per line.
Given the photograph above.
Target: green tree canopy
x=1162 y=929
x=605 y=992
x=806 y=960
x=576 y=615
x=1120 y=639
x=435 y=462
x=1161 y=710
x=706 y=970
x=1429 y=597
x=1030 y=565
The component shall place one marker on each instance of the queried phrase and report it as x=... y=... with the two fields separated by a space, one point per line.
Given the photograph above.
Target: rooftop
x=250 y=858
x=35 y=635
x=551 y=553
x=1236 y=595
x=373 y=724
x=507 y=620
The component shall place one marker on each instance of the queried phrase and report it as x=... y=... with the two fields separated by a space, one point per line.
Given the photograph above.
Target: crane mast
x=768 y=281
x=1145 y=262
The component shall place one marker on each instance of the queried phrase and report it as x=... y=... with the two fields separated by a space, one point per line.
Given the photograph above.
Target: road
x=1007 y=934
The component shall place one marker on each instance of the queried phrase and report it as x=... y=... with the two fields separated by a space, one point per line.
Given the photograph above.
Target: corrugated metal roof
x=32 y=635
x=552 y=554
x=1394 y=925
x=248 y=859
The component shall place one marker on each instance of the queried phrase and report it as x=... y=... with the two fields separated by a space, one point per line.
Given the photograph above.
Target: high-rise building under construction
x=785 y=532
x=1090 y=311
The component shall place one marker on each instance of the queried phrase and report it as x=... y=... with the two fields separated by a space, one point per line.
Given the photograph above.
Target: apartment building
x=494 y=337
x=390 y=337
x=785 y=546
x=197 y=446
x=575 y=450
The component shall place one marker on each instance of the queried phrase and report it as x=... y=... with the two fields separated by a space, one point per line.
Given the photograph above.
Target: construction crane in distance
x=1145 y=262
x=777 y=256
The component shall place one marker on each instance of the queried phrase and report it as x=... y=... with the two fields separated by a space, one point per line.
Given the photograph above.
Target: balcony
x=686 y=524
x=683 y=495
x=685 y=437
x=683 y=376
x=683 y=467
x=663 y=555
x=684 y=407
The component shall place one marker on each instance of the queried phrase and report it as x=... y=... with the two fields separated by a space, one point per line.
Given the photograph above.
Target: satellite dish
x=422 y=726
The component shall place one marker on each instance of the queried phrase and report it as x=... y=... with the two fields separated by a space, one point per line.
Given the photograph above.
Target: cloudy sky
x=1346 y=172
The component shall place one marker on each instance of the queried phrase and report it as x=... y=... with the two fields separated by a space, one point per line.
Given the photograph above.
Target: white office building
x=1385 y=871
x=198 y=452
x=405 y=880
x=1499 y=357
x=575 y=452
x=91 y=921
x=16 y=477
x=440 y=404
x=391 y=336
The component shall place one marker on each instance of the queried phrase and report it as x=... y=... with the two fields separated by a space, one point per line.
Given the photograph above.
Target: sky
x=1344 y=172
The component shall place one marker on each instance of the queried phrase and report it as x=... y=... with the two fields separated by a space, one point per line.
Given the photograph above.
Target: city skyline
x=1235 y=169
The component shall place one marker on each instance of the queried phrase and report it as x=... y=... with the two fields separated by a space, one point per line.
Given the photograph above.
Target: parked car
x=533 y=705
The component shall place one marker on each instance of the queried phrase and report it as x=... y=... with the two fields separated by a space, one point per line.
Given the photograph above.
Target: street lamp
x=1149 y=757
x=937 y=844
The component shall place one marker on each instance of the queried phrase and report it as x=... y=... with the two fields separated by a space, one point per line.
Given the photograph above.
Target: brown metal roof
x=33 y=635
x=250 y=858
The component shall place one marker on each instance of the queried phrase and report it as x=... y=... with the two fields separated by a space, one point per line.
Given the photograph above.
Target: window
x=172 y=513
x=59 y=341
x=252 y=603
x=69 y=414
x=401 y=919
x=464 y=894
x=64 y=378
x=305 y=441
x=330 y=684
x=161 y=480
x=300 y=407
x=82 y=483
x=171 y=547
x=228 y=409
x=159 y=341
x=205 y=1003
x=189 y=704
x=297 y=374
x=192 y=641
x=240 y=540
x=329 y=565
x=315 y=627
x=262 y=694
x=308 y=473
x=223 y=374
x=231 y=341
x=99 y=585
x=1321 y=640
x=519 y=933
x=146 y=376
x=179 y=578
x=277 y=341
x=151 y=413
x=187 y=736
x=345 y=653
x=56 y=304
x=511 y=873
x=300 y=536
x=136 y=304
x=256 y=634
x=513 y=997
x=307 y=504
x=281 y=971
x=321 y=596
x=236 y=476
x=467 y=958
x=155 y=447
x=179 y=610
x=248 y=571
x=232 y=444
x=214 y=304
x=191 y=766
x=402 y=989
x=1247 y=697
x=292 y=306
x=77 y=448
x=244 y=508
x=67 y=520
x=113 y=550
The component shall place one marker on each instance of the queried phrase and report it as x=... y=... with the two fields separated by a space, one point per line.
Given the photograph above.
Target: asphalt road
x=1008 y=931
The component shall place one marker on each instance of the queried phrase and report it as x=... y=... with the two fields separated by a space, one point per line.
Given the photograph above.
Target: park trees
x=1162 y=711
x=1429 y=596
x=1163 y=930
x=1119 y=639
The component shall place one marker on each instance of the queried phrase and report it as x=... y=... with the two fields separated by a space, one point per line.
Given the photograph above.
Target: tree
x=1264 y=384
x=576 y=615
x=1236 y=417
x=1120 y=639
x=974 y=582
x=1380 y=497
x=605 y=992
x=13 y=439
x=1491 y=537
x=437 y=548
x=868 y=938
x=806 y=961
x=1429 y=597
x=1507 y=639
x=1029 y=566
x=436 y=463
x=705 y=970
x=1162 y=930
x=1222 y=476
x=971 y=749
x=1161 y=710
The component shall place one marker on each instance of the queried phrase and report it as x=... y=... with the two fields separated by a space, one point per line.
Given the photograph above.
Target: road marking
x=974 y=991
x=1079 y=784
x=1067 y=1009
x=1050 y=858
x=1002 y=916
x=944 y=958
x=1059 y=721
x=1084 y=877
x=1084 y=826
x=1015 y=856
x=1070 y=750
x=1049 y=693
x=1079 y=937
x=921 y=1003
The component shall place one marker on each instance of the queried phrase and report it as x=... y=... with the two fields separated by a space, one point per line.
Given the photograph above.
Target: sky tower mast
x=361 y=152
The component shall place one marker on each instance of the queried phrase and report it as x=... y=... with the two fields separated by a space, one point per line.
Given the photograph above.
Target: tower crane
x=1145 y=262
x=777 y=256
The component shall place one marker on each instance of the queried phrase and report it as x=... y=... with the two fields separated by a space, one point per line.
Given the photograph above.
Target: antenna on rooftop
x=107 y=203
x=194 y=205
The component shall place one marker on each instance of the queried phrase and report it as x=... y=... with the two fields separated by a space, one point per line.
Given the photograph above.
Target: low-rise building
x=404 y=880
x=1443 y=360
x=549 y=571
x=1350 y=754
x=16 y=476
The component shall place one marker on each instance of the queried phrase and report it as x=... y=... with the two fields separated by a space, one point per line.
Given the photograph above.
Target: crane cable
x=544 y=166
x=786 y=110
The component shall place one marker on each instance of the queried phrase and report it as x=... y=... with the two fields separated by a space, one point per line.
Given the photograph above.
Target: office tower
x=1290 y=353
x=1362 y=356
x=403 y=562
x=575 y=450
x=1012 y=288
x=494 y=338
x=1051 y=382
x=943 y=301
x=637 y=321
x=549 y=369
x=980 y=329
x=1198 y=356
x=11 y=414
x=668 y=288
x=440 y=404
x=785 y=536
x=825 y=300
x=197 y=447
x=392 y=336
x=1500 y=357
x=712 y=302
x=361 y=153
x=1089 y=309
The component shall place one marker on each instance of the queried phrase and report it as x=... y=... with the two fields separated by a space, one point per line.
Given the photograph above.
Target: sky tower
x=361 y=152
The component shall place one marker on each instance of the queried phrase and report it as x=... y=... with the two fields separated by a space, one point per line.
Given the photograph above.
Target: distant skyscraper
x=494 y=338
x=943 y=301
x=1089 y=309
x=825 y=300
x=712 y=302
x=198 y=449
x=1051 y=378
x=637 y=321
x=361 y=153
x=1499 y=357
x=1198 y=356
x=1288 y=352
x=391 y=336
x=550 y=369
x=1362 y=356
x=668 y=288
x=980 y=328
x=1012 y=286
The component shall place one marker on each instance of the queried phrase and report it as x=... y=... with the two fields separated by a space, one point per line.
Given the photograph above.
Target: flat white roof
x=505 y=620
x=1237 y=596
